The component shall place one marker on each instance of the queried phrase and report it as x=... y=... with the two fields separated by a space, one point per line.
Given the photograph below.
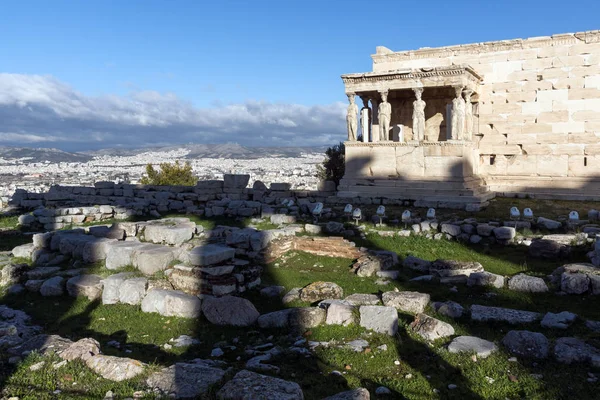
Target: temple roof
x=455 y=75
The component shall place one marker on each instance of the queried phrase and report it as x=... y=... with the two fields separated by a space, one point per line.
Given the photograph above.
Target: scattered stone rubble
x=202 y=276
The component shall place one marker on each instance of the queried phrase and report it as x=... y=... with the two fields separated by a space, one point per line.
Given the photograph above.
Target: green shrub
x=333 y=167
x=170 y=175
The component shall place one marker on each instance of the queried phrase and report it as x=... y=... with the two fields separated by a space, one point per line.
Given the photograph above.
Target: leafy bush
x=170 y=175
x=333 y=166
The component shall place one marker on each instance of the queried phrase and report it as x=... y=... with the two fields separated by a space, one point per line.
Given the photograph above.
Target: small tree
x=170 y=175
x=333 y=166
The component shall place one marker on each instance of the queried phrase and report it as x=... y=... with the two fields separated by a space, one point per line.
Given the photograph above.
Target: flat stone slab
x=362 y=299
x=410 y=302
x=246 y=384
x=43 y=344
x=53 y=287
x=229 y=310
x=172 y=231
x=23 y=251
x=471 y=344
x=152 y=258
x=89 y=286
x=574 y=283
x=567 y=239
x=355 y=394
x=340 y=314
x=275 y=319
x=549 y=249
x=187 y=380
x=526 y=283
x=416 y=264
x=318 y=291
x=110 y=287
x=155 y=301
x=526 y=344
x=95 y=250
x=132 y=291
x=81 y=349
x=306 y=317
x=584 y=268
x=568 y=350
x=42 y=272
x=561 y=320
x=120 y=254
x=484 y=313
x=449 y=308
x=485 y=279
x=179 y=304
x=115 y=368
x=431 y=328
x=380 y=319
x=210 y=254
x=445 y=268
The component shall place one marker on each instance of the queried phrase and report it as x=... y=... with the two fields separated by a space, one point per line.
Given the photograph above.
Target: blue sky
x=276 y=56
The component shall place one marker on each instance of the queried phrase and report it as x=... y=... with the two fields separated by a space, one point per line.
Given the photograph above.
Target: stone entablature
x=449 y=143
x=459 y=75
x=384 y=55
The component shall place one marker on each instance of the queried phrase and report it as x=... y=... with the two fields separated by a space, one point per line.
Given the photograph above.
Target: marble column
x=468 y=135
x=375 y=119
x=365 y=119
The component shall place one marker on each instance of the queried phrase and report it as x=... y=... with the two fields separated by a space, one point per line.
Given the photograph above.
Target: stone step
x=554 y=195
x=411 y=193
x=421 y=184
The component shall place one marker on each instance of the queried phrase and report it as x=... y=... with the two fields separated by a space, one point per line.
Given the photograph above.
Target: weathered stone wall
x=230 y=196
x=537 y=104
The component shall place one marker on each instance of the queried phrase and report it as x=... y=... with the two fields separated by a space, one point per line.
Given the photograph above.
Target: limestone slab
x=210 y=254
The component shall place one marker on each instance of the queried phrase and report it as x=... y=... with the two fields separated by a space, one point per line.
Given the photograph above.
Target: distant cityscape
x=35 y=170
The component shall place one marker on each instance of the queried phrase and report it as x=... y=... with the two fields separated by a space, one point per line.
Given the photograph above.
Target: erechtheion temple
x=461 y=124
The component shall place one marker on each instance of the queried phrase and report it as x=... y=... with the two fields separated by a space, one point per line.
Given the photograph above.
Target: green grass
x=500 y=206
x=98 y=268
x=74 y=381
x=9 y=221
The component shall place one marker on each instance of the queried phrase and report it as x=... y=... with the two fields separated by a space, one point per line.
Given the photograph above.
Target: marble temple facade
x=464 y=123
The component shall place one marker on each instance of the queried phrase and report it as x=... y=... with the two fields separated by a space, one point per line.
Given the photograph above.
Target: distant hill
x=227 y=150
x=41 y=154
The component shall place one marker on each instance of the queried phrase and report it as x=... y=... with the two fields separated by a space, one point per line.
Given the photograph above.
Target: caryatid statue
x=458 y=115
x=418 y=117
x=468 y=115
x=352 y=118
x=385 y=115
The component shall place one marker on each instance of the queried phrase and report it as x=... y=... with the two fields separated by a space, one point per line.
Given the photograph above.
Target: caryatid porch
x=417 y=129
x=413 y=105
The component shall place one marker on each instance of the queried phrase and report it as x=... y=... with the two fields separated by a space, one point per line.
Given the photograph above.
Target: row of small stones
x=569 y=283
x=570 y=278
x=473 y=232
x=567 y=350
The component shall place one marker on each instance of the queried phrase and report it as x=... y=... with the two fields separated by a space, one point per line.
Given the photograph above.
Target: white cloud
x=35 y=108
